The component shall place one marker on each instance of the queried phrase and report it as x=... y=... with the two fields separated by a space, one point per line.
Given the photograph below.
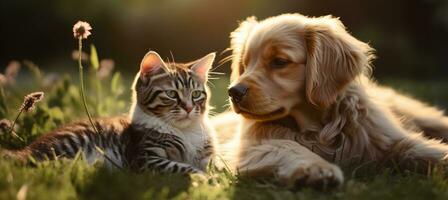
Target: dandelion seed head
x=30 y=100
x=81 y=30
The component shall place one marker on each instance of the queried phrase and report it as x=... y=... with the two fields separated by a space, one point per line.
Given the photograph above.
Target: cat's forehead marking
x=177 y=77
x=185 y=79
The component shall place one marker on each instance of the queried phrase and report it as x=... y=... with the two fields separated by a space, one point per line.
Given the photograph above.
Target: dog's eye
x=279 y=62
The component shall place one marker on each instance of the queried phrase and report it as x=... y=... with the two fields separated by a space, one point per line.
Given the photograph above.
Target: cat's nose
x=188 y=109
x=238 y=92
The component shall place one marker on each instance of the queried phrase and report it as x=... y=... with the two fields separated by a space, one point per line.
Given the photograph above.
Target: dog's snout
x=238 y=92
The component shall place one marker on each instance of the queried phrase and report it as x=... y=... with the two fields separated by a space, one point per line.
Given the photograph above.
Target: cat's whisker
x=226 y=50
x=211 y=84
x=226 y=59
x=216 y=73
x=172 y=57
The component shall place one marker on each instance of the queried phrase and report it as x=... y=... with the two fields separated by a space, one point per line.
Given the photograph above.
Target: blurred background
x=36 y=54
x=410 y=36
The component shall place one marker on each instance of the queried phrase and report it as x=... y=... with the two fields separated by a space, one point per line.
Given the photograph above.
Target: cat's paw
x=318 y=175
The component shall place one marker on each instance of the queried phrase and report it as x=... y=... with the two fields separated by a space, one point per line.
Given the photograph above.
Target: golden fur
x=319 y=106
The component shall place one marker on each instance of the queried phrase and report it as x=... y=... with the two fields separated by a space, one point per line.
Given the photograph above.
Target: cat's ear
x=151 y=64
x=203 y=65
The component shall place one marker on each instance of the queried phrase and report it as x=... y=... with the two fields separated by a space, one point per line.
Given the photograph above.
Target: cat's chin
x=182 y=123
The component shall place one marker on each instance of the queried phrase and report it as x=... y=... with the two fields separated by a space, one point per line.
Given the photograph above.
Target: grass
x=76 y=180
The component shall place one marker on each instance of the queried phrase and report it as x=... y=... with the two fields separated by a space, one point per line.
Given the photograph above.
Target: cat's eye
x=171 y=93
x=279 y=62
x=196 y=94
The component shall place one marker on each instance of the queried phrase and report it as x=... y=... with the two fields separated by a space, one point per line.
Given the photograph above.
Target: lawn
x=109 y=95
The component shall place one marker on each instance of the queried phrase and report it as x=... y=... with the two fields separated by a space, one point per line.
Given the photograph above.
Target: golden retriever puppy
x=303 y=90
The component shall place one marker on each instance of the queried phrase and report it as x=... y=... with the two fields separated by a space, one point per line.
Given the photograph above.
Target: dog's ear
x=334 y=59
x=238 y=40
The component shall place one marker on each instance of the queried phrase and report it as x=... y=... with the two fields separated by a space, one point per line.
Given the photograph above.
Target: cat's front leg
x=203 y=163
x=290 y=163
x=205 y=155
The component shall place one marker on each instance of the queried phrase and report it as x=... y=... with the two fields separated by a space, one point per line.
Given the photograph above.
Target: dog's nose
x=238 y=92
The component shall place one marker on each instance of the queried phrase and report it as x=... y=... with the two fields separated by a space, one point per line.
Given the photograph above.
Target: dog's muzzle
x=238 y=92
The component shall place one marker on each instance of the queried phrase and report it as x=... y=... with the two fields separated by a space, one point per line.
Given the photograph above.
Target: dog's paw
x=320 y=175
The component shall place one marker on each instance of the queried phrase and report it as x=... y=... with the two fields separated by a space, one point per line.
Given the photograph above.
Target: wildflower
x=28 y=105
x=81 y=30
x=3 y=80
x=5 y=125
x=106 y=67
x=84 y=55
x=30 y=100
x=12 y=69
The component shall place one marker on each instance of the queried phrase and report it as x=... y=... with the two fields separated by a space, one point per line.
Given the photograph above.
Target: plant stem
x=101 y=151
x=2 y=95
x=11 y=129
x=81 y=78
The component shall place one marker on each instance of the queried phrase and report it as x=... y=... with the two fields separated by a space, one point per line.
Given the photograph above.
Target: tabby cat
x=167 y=129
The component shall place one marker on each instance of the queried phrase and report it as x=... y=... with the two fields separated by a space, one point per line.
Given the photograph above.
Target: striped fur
x=167 y=129
x=166 y=115
x=80 y=136
x=152 y=97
